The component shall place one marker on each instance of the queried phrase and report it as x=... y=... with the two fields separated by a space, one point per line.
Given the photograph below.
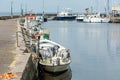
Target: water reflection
x=95 y=49
x=114 y=42
x=66 y=75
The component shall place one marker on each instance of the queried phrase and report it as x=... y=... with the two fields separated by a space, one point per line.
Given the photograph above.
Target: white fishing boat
x=41 y=18
x=96 y=18
x=53 y=56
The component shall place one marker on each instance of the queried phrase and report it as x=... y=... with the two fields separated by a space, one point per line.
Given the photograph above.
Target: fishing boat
x=80 y=18
x=32 y=25
x=96 y=18
x=41 y=18
x=66 y=14
x=53 y=56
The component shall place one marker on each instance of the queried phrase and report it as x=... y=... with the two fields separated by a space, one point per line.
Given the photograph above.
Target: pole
x=43 y=7
x=25 y=9
x=17 y=38
x=30 y=37
x=21 y=11
x=11 y=9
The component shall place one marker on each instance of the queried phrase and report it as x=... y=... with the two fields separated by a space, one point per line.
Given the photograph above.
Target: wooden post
x=17 y=39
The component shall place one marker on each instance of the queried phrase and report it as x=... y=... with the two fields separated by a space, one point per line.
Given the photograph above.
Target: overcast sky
x=54 y=5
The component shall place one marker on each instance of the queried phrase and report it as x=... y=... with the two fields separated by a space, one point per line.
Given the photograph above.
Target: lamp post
x=43 y=7
x=11 y=9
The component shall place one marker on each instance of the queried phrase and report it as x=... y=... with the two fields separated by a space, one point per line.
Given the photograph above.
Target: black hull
x=65 y=18
x=45 y=19
x=81 y=20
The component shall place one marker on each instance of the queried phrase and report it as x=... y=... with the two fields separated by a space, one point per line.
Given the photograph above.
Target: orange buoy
x=9 y=75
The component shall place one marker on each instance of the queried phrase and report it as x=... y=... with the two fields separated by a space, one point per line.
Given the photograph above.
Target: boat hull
x=97 y=20
x=58 y=68
x=64 y=18
x=80 y=20
x=66 y=75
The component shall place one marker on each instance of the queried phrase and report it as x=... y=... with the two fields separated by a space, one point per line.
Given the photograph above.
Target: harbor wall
x=30 y=72
x=9 y=17
x=17 y=16
x=26 y=62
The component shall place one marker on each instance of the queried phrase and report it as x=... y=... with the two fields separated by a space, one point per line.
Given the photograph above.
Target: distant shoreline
x=8 y=13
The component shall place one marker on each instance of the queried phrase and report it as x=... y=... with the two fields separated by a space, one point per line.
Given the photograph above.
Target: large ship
x=66 y=14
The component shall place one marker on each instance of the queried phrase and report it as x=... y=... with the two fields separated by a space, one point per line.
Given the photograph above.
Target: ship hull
x=65 y=18
x=58 y=68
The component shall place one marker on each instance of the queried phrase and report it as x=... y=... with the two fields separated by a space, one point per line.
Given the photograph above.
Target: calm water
x=95 y=48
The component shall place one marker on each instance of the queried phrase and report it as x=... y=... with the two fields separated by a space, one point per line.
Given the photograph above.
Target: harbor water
x=95 y=49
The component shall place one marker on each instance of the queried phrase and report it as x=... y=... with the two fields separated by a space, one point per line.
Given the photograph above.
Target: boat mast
x=91 y=10
x=57 y=9
x=108 y=7
x=25 y=9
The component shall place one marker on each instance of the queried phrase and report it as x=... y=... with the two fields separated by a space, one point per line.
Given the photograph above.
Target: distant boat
x=66 y=14
x=53 y=56
x=32 y=26
x=96 y=18
x=80 y=18
x=115 y=17
x=41 y=18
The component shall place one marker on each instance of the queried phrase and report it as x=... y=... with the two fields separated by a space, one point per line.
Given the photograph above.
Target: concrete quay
x=24 y=63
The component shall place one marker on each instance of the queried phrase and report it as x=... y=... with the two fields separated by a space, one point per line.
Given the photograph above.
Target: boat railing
x=64 y=54
x=55 y=58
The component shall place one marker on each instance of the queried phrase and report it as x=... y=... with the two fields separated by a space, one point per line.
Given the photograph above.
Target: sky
x=52 y=6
